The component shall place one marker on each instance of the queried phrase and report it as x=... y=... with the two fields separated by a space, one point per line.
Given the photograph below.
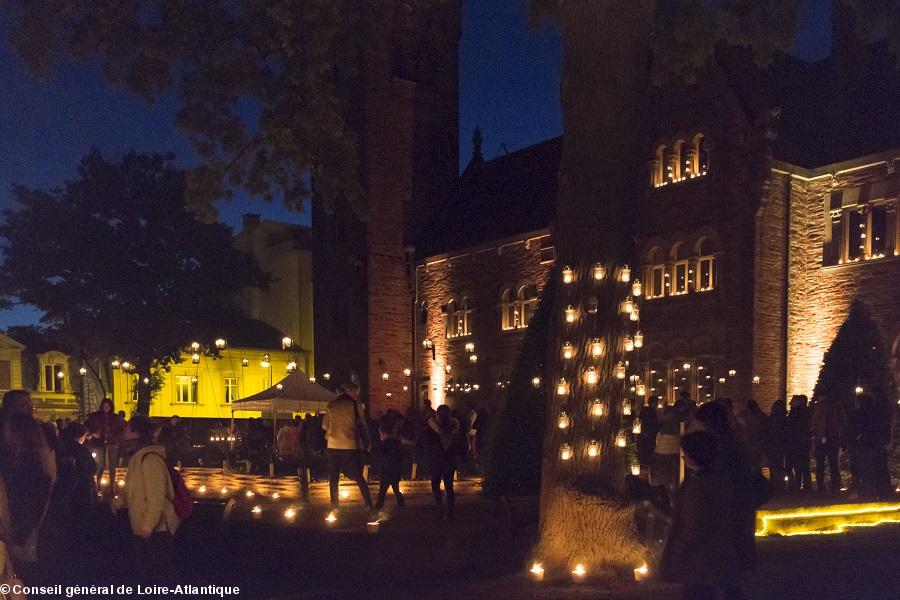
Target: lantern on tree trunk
x=635 y=314
x=638 y=339
x=562 y=421
x=636 y=470
x=626 y=408
x=625 y=274
x=599 y=272
x=593 y=449
x=597 y=348
x=562 y=388
x=568 y=350
x=636 y=426
x=620 y=370
x=590 y=376
x=565 y=452
x=636 y=288
x=640 y=389
x=627 y=305
x=597 y=408
x=570 y=314
x=568 y=275
x=620 y=440
x=629 y=343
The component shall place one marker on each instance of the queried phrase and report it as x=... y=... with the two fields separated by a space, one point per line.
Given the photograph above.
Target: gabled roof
x=7 y=342
x=505 y=196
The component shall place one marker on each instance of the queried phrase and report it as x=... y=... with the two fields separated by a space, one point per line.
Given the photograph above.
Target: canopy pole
x=232 y=434
x=274 y=439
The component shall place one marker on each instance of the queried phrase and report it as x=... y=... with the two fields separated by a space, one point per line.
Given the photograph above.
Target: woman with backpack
x=445 y=443
x=149 y=496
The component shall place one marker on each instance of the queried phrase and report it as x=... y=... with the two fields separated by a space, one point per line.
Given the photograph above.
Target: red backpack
x=182 y=501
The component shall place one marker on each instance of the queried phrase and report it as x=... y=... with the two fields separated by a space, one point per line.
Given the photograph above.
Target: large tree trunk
x=584 y=515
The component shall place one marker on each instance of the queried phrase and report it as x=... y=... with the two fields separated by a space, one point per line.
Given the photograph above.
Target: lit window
x=706 y=267
x=658 y=169
x=681 y=274
x=54 y=376
x=655 y=275
x=231 y=389
x=856 y=229
x=517 y=311
x=674 y=168
x=185 y=389
x=458 y=318
x=526 y=300
x=509 y=318
x=548 y=252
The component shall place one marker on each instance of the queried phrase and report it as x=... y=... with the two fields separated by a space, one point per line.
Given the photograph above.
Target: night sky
x=509 y=76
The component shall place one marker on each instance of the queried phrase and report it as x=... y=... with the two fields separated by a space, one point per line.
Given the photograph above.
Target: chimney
x=250 y=221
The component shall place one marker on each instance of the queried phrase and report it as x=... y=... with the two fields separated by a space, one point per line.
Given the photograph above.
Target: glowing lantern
x=220 y=343
x=195 y=358
x=116 y=363
x=194 y=379
x=257 y=509
x=756 y=379
x=563 y=420
x=447 y=369
x=224 y=490
x=636 y=426
x=590 y=376
x=345 y=494
x=475 y=386
x=286 y=342
x=289 y=514
x=568 y=275
x=562 y=388
x=627 y=305
x=597 y=348
x=640 y=389
x=732 y=372
x=568 y=350
x=536 y=382
x=570 y=314
x=636 y=288
x=593 y=449
x=473 y=358
x=276 y=496
x=620 y=370
x=638 y=339
x=599 y=272
x=565 y=452
x=859 y=390
x=625 y=274
x=470 y=347
x=406 y=373
x=686 y=366
x=629 y=343
x=635 y=314
x=373 y=526
x=331 y=518
x=620 y=440
x=291 y=366
x=146 y=380
x=636 y=470
x=264 y=363
x=721 y=380
x=626 y=408
x=642 y=572
x=249 y=493
x=537 y=571
x=597 y=408
x=82 y=371
x=579 y=573
x=201 y=489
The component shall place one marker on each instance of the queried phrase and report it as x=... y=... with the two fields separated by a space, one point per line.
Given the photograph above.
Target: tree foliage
x=118 y=264
x=268 y=89
x=856 y=357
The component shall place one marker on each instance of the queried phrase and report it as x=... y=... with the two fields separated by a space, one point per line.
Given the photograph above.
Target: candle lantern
x=638 y=339
x=245 y=362
x=629 y=343
x=470 y=347
x=82 y=371
x=859 y=390
x=625 y=274
x=593 y=449
x=636 y=470
x=579 y=573
x=597 y=348
x=620 y=370
x=562 y=388
x=732 y=372
x=570 y=314
x=537 y=571
x=195 y=346
x=220 y=343
x=535 y=382
x=590 y=376
x=756 y=379
x=640 y=389
x=116 y=363
x=636 y=288
x=636 y=426
x=635 y=314
x=686 y=366
x=195 y=358
x=565 y=452
x=568 y=350
x=627 y=305
x=642 y=572
x=626 y=408
x=597 y=408
x=620 y=440
x=568 y=275
x=599 y=272
x=721 y=380
x=562 y=421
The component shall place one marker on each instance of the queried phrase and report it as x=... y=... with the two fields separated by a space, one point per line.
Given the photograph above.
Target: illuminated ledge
x=820 y=520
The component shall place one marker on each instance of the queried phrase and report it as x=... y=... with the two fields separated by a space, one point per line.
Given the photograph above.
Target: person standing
x=178 y=447
x=149 y=496
x=105 y=428
x=646 y=439
x=443 y=440
x=776 y=445
x=346 y=437
x=390 y=465
x=798 y=446
x=751 y=433
x=828 y=429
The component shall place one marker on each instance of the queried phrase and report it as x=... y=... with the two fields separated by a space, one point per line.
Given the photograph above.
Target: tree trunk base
x=598 y=533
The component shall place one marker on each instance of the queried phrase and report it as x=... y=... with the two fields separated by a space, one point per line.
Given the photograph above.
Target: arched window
x=451 y=319
x=675 y=162
x=706 y=266
x=655 y=274
x=681 y=270
x=658 y=170
x=463 y=318
x=508 y=316
x=701 y=155
x=526 y=300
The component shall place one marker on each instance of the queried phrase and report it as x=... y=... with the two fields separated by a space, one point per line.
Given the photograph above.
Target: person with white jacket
x=148 y=495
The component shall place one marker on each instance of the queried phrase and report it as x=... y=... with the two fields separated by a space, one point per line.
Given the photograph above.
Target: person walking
x=798 y=444
x=390 y=465
x=701 y=551
x=443 y=440
x=105 y=429
x=346 y=437
x=828 y=426
x=776 y=445
x=149 y=496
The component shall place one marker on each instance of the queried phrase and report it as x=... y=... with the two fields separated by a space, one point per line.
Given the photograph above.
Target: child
x=701 y=550
x=391 y=464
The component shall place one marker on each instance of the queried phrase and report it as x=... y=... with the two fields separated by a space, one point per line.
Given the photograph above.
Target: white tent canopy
x=294 y=393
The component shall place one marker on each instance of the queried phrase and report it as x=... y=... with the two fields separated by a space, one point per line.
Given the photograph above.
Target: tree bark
x=584 y=516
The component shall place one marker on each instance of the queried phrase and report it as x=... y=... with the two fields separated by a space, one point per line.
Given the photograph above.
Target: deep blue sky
x=509 y=77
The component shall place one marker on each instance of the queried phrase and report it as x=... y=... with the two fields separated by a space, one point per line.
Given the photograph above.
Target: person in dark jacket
x=646 y=439
x=701 y=551
x=798 y=444
x=443 y=442
x=752 y=433
x=105 y=428
x=390 y=465
x=776 y=445
x=864 y=446
x=828 y=430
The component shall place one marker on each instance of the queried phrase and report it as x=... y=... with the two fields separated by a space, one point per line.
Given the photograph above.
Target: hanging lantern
x=590 y=376
x=220 y=343
x=636 y=470
x=82 y=371
x=475 y=386
x=195 y=358
x=620 y=440
x=599 y=272
x=562 y=421
x=146 y=381
x=620 y=370
x=406 y=372
x=286 y=342
x=568 y=275
x=565 y=452
x=597 y=408
x=291 y=367
x=427 y=343
x=626 y=408
x=194 y=379
x=470 y=347
x=756 y=379
x=640 y=389
x=635 y=314
x=859 y=390
x=562 y=388
x=116 y=363
x=245 y=362
x=536 y=382
x=570 y=314
x=264 y=363
x=629 y=343
x=593 y=449
x=732 y=372
x=597 y=348
x=625 y=274
x=686 y=366
x=627 y=305
x=568 y=350
x=639 y=339
x=195 y=346
x=473 y=358
x=636 y=426
x=636 y=288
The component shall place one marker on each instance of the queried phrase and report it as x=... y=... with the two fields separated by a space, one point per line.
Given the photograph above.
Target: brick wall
x=480 y=275
x=819 y=297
